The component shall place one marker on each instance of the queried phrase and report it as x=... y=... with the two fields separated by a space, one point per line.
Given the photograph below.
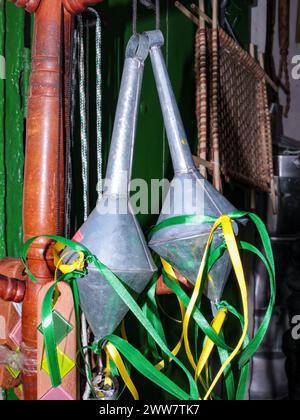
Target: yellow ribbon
x=113 y=353
x=123 y=331
x=171 y=273
x=233 y=250
x=217 y=325
x=226 y=224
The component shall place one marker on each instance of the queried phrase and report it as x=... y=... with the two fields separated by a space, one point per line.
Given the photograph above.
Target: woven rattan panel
x=244 y=129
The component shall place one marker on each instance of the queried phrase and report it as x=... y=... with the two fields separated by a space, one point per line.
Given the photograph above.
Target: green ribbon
x=249 y=347
x=150 y=310
x=123 y=293
x=120 y=289
x=47 y=306
x=153 y=327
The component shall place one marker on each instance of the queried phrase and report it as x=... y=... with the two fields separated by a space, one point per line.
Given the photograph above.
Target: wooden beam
x=202 y=9
x=201 y=14
x=186 y=12
x=202 y=162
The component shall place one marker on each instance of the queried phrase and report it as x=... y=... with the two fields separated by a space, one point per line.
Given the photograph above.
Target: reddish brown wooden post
x=44 y=159
x=44 y=177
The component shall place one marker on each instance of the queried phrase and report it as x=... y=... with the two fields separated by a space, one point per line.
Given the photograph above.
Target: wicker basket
x=232 y=112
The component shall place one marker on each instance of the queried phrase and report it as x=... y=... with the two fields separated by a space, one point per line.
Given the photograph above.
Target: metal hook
x=150 y=5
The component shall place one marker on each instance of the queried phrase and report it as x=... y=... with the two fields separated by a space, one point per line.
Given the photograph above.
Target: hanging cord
x=152 y=5
x=85 y=332
x=70 y=90
x=157 y=14
x=284 y=40
x=85 y=337
x=271 y=21
x=98 y=40
x=74 y=81
x=98 y=99
x=134 y=16
x=87 y=83
x=84 y=161
x=83 y=117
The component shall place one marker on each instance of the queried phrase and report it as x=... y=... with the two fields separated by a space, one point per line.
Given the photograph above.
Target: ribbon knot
x=90 y=259
x=96 y=348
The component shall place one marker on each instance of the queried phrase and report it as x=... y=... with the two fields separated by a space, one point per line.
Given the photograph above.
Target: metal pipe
x=78 y=6
x=29 y=5
x=179 y=147
x=112 y=232
x=189 y=193
x=124 y=132
x=12 y=280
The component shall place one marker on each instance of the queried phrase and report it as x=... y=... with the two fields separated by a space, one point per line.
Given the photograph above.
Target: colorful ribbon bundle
x=190 y=308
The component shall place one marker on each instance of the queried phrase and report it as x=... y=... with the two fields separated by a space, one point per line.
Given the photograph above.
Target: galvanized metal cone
x=112 y=232
x=118 y=242
x=183 y=245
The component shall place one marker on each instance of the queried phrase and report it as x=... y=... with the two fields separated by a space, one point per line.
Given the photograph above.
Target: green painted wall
x=2 y=138
x=12 y=127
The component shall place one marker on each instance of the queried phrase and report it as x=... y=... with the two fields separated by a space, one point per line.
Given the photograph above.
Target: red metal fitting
x=78 y=6
x=29 y=5
x=12 y=280
x=11 y=290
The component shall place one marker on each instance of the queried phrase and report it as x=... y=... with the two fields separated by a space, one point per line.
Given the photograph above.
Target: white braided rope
x=84 y=148
x=84 y=162
x=98 y=98
x=83 y=117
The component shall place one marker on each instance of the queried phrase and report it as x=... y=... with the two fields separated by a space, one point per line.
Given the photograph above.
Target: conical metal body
x=189 y=194
x=112 y=232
